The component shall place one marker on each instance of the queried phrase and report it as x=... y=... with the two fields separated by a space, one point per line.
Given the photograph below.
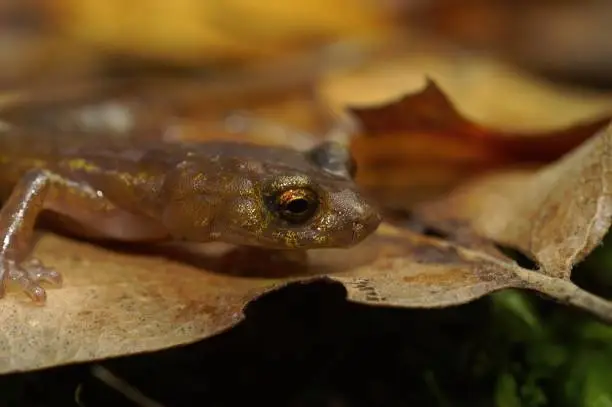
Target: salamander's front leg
x=17 y=219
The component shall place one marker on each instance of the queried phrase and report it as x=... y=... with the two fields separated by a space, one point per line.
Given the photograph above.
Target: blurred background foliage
x=562 y=37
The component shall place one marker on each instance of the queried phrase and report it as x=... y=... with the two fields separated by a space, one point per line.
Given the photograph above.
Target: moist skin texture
x=128 y=190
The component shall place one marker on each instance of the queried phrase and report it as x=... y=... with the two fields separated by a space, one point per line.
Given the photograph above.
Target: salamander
x=270 y=197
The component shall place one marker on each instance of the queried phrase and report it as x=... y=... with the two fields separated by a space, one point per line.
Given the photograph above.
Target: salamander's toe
x=27 y=276
x=39 y=272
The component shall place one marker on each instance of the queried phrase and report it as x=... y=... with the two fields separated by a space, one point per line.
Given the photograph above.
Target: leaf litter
x=116 y=303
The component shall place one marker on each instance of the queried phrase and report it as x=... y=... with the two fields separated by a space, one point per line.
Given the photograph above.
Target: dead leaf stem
x=566 y=292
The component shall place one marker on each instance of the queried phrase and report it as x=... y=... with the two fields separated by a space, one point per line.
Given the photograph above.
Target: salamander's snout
x=356 y=218
x=366 y=226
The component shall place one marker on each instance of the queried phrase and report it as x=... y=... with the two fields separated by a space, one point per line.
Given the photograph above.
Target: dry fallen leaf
x=113 y=304
x=558 y=214
x=117 y=303
x=420 y=146
x=430 y=113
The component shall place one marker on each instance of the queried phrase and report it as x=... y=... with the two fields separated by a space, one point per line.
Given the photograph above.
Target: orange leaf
x=421 y=146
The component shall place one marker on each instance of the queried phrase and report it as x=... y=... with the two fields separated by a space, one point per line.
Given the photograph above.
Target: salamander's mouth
x=351 y=234
x=363 y=229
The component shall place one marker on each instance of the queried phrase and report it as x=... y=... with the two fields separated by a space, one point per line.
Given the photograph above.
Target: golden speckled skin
x=159 y=191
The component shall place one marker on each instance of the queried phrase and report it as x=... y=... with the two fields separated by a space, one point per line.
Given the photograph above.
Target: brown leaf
x=557 y=215
x=412 y=270
x=416 y=271
x=113 y=304
x=431 y=113
x=420 y=145
x=117 y=304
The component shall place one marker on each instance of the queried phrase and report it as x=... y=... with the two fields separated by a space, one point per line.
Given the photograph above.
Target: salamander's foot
x=28 y=275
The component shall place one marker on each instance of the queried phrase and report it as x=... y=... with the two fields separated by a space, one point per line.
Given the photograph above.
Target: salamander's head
x=284 y=199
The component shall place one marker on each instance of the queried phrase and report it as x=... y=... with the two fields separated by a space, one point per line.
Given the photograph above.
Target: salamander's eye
x=297 y=205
